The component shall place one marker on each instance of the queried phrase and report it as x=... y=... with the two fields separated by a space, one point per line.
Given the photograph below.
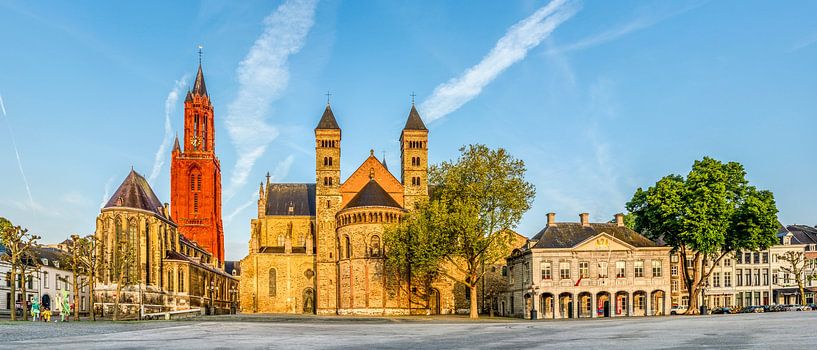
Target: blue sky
x=597 y=97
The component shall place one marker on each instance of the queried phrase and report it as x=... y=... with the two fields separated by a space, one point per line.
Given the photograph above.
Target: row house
x=584 y=269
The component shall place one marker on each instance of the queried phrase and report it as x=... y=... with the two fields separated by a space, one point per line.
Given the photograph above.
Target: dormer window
x=45 y=261
x=57 y=264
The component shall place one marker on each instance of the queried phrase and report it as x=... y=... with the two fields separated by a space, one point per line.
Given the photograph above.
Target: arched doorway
x=309 y=301
x=640 y=303
x=546 y=301
x=603 y=304
x=622 y=304
x=657 y=299
x=566 y=305
x=46 y=301
x=434 y=301
x=585 y=304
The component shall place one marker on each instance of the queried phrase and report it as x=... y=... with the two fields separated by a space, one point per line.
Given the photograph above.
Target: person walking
x=65 y=311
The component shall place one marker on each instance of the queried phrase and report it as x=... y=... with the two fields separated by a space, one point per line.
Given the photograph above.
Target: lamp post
x=233 y=296
x=212 y=287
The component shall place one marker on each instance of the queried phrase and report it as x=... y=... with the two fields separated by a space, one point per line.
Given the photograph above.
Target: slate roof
x=135 y=192
x=229 y=265
x=199 y=88
x=802 y=234
x=328 y=120
x=53 y=255
x=569 y=234
x=372 y=195
x=280 y=196
x=414 y=122
x=174 y=255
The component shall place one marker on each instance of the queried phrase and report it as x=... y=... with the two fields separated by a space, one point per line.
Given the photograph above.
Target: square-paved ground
x=783 y=330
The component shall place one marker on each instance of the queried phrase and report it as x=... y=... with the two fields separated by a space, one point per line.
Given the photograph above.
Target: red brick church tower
x=195 y=175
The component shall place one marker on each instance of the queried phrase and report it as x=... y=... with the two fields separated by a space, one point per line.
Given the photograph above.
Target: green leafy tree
x=705 y=217
x=465 y=224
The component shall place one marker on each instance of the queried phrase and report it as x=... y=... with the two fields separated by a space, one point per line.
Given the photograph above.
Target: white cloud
x=17 y=153
x=511 y=48
x=279 y=173
x=107 y=194
x=170 y=105
x=642 y=22
x=263 y=75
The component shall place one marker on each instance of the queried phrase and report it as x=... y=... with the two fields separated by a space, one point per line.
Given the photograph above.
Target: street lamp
x=212 y=287
x=233 y=296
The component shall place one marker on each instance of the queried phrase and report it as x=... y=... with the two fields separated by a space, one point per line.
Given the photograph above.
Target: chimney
x=166 y=210
x=584 y=217
x=551 y=219
x=620 y=220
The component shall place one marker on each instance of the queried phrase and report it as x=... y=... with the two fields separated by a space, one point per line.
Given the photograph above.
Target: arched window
x=181 y=281
x=204 y=134
x=330 y=160
x=301 y=240
x=281 y=240
x=272 y=282
x=375 y=246
x=348 y=247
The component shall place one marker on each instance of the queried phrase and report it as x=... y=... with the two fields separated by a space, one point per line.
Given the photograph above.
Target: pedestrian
x=66 y=306
x=47 y=315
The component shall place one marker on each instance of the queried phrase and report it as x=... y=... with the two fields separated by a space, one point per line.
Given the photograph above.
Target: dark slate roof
x=135 y=192
x=300 y=196
x=53 y=255
x=569 y=234
x=372 y=195
x=414 y=122
x=199 y=88
x=328 y=120
x=189 y=97
x=176 y=146
x=229 y=265
x=174 y=255
x=802 y=234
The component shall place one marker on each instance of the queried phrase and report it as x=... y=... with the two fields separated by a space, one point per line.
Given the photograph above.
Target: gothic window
x=301 y=240
x=375 y=246
x=195 y=202
x=181 y=281
x=330 y=161
x=348 y=247
x=325 y=161
x=170 y=280
x=272 y=282
x=281 y=240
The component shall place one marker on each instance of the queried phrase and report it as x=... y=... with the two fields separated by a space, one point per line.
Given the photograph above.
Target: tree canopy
x=706 y=216
x=465 y=225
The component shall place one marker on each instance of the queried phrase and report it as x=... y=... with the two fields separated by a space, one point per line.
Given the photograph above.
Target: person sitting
x=47 y=315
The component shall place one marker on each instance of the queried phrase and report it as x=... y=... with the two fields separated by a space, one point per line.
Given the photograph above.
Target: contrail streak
x=17 y=152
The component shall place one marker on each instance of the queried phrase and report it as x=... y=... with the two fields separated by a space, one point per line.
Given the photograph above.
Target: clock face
x=194 y=141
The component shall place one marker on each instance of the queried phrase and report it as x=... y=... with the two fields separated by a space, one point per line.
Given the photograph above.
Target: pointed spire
x=384 y=161
x=328 y=119
x=189 y=97
x=199 y=88
x=414 y=122
x=176 y=147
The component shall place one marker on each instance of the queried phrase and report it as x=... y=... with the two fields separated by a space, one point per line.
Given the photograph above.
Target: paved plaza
x=784 y=330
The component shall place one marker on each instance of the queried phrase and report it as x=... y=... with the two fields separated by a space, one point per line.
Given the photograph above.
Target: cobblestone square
x=784 y=330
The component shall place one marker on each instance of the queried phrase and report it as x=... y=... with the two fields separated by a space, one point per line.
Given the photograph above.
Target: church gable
x=371 y=167
x=602 y=242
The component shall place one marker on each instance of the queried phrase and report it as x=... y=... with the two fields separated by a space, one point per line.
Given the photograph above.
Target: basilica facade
x=318 y=247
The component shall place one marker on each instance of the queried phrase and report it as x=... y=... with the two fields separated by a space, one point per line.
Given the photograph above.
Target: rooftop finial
x=371 y=152
x=200 y=47
x=268 y=177
x=328 y=96
x=412 y=98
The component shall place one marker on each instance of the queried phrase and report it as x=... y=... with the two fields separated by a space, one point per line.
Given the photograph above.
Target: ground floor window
x=685 y=302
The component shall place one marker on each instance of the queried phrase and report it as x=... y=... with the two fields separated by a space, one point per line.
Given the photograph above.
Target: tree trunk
x=13 y=305
x=474 y=311
x=76 y=297
x=802 y=294
x=91 y=285
x=23 y=291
